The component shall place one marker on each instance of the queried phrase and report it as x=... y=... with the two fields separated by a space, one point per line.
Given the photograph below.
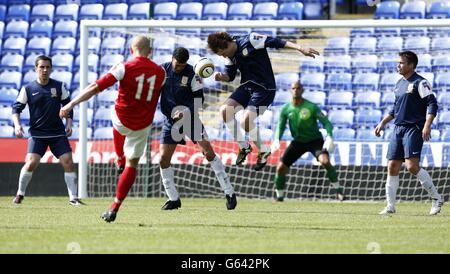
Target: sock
x=169 y=185
x=427 y=183
x=119 y=141
x=256 y=138
x=72 y=187
x=24 y=179
x=221 y=175
x=391 y=190
x=332 y=175
x=280 y=181
x=236 y=133
x=126 y=180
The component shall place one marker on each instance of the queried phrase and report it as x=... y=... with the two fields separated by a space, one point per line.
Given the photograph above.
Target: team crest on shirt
x=245 y=52
x=410 y=88
x=305 y=114
x=184 y=81
x=53 y=92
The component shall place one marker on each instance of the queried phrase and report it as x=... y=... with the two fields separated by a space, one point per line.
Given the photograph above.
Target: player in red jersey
x=140 y=83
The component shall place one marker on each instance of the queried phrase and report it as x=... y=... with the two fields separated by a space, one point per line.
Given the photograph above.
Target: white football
x=204 y=67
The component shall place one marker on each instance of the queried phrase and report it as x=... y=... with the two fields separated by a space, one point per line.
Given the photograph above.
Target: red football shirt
x=139 y=87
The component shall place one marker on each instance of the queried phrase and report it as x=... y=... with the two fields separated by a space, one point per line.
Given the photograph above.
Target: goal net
x=351 y=81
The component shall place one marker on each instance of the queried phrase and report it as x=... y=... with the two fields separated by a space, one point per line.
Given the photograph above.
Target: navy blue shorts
x=173 y=134
x=406 y=142
x=58 y=145
x=254 y=96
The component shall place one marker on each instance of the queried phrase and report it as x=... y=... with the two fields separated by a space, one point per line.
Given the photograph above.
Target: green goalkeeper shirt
x=303 y=122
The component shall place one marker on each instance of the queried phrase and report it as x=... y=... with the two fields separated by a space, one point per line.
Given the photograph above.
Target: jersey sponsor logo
x=184 y=81
x=53 y=92
x=410 y=88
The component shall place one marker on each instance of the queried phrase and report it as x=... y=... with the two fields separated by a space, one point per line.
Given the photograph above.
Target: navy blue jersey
x=180 y=89
x=44 y=103
x=252 y=59
x=413 y=101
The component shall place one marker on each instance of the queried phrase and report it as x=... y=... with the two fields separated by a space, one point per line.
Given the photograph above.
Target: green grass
x=50 y=225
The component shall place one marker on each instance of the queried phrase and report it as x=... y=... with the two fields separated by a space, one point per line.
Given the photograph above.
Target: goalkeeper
x=302 y=116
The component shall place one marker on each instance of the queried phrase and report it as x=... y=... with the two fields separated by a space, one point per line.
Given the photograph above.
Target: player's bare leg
x=70 y=178
x=221 y=174
x=331 y=174
x=280 y=181
x=391 y=186
x=412 y=164
x=26 y=173
x=167 y=177
x=248 y=124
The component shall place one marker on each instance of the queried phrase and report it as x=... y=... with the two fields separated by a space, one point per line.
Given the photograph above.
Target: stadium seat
x=163 y=45
x=388 y=64
x=368 y=117
x=39 y=45
x=338 y=64
x=63 y=45
x=387 y=10
x=16 y=29
x=5 y=115
x=365 y=64
x=18 y=12
x=76 y=133
x=91 y=12
x=444 y=119
x=12 y=62
x=139 y=11
x=413 y=10
x=93 y=61
x=164 y=58
x=92 y=76
x=362 y=32
x=390 y=31
x=363 y=45
x=424 y=64
x=11 y=79
x=65 y=29
x=366 y=81
x=165 y=11
x=442 y=81
x=343 y=134
x=337 y=46
x=106 y=98
x=103 y=133
x=94 y=44
x=8 y=97
x=76 y=114
x=339 y=81
x=2 y=12
x=42 y=12
x=312 y=10
x=443 y=100
x=214 y=11
x=116 y=11
x=290 y=11
x=389 y=45
x=388 y=81
x=419 y=45
x=6 y=131
x=62 y=62
x=281 y=98
x=41 y=28
x=440 y=63
x=435 y=135
x=340 y=99
x=367 y=99
x=240 y=11
x=317 y=97
x=440 y=45
x=63 y=76
x=439 y=10
x=67 y=12
x=109 y=60
x=313 y=81
x=265 y=11
x=341 y=117
x=387 y=99
x=29 y=62
x=2 y=30
x=102 y=117
x=445 y=136
x=189 y=11
x=285 y=79
x=366 y=134
x=28 y=77
x=312 y=64
x=112 y=45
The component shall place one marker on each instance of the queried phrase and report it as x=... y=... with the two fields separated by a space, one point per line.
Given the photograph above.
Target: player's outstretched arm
x=84 y=95
x=305 y=51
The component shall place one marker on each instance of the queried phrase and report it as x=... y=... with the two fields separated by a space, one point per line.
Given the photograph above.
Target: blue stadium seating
x=317 y=97
x=366 y=81
x=387 y=10
x=16 y=29
x=76 y=133
x=312 y=10
x=65 y=29
x=76 y=114
x=284 y=80
x=362 y=32
x=189 y=11
x=106 y=98
x=391 y=31
x=419 y=45
x=109 y=60
x=113 y=45
x=91 y=12
x=312 y=64
x=164 y=58
x=340 y=99
x=41 y=28
x=63 y=76
x=439 y=10
x=413 y=10
x=28 y=77
x=163 y=45
x=94 y=44
x=63 y=45
x=387 y=100
x=18 y=12
x=102 y=117
x=367 y=99
x=368 y=117
x=165 y=11
x=366 y=134
x=339 y=81
x=443 y=100
x=363 y=45
x=29 y=62
x=290 y=11
x=364 y=64
x=39 y=45
x=10 y=79
x=341 y=117
x=445 y=136
x=2 y=13
x=440 y=63
x=389 y=45
x=67 y=12
x=343 y=134
x=92 y=76
x=6 y=131
x=13 y=62
x=102 y=133
x=5 y=115
x=2 y=30
x=281 y=98
x=444 y=119
x=62 y=62
x=424 y=64
x=8 y=97
x=93 y=62
x=338 y=64
x=337 y=46
x=313 y=81
x=117 y=11
x=265 y=11
x=387 y=64
x=139 y=11
x=442 y=81
x=388 y=81
x=240 y=11
x=42 y=12
x=440 y=45
x=14 y=45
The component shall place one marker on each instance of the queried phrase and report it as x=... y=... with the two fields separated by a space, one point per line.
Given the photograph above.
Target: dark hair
x=43 y=57
x=181 y=55
x=219 y=40
x=410 y=56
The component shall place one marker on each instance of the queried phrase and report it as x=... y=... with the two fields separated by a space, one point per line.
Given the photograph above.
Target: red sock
x=119 y=141
x=126 y=180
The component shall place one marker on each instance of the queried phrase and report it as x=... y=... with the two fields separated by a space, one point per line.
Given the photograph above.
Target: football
x=204 y=67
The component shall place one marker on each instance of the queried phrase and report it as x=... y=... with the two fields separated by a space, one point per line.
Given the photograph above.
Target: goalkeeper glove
x=328 y=145
x=275 y=145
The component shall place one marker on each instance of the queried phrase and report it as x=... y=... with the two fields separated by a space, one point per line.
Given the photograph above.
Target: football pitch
x=51 y=225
